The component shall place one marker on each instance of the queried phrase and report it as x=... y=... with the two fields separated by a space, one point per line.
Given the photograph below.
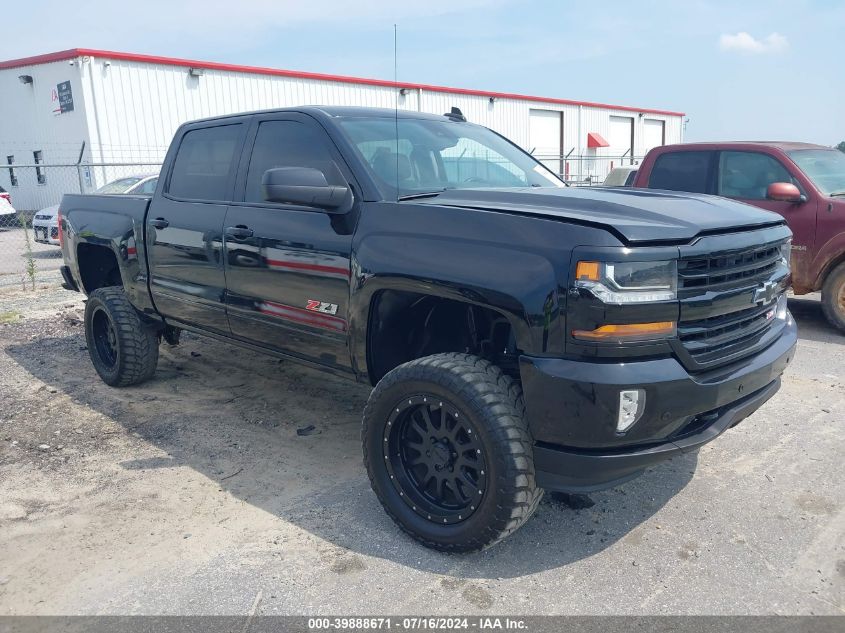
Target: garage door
x=654 y=134
x=544 y=137
x=621 y=138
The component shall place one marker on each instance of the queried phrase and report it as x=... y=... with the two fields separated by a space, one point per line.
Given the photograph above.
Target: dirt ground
x=194 y=494
x=13 y=256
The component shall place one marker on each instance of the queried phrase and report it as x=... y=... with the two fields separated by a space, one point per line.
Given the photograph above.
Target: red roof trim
x=594 y=139
x=257 y=70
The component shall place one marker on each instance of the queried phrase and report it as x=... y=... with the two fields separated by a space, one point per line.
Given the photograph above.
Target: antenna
x=396 y=102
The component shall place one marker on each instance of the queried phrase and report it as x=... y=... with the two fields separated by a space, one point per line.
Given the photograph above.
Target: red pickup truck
x=802 y=182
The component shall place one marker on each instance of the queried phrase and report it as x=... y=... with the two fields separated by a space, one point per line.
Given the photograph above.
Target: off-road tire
x=135 y=344
x=833 y=298
x=493 y=405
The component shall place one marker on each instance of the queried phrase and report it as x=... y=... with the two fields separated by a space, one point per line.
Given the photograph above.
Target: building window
x=38 y=159
x=13 y=179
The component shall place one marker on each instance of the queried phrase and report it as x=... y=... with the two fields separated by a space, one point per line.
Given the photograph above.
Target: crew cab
x=804 y=183
x=520 y=336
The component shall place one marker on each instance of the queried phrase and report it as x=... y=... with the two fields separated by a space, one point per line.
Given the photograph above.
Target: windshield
x=825 y=167
x=431 y=155
x=118 y=186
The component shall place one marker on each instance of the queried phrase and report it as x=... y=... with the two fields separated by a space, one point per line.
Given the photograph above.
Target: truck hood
x=633 y=215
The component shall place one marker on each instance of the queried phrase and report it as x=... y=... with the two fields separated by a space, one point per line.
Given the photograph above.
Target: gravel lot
x=13 y=256
x=193 y=494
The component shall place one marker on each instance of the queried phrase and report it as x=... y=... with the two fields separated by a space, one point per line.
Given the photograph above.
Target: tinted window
x=204 y=162
x=748 y=175
x=288 y=144
x=681 y=171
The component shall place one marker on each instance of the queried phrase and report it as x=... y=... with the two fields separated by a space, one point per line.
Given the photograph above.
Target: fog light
x=631 y=407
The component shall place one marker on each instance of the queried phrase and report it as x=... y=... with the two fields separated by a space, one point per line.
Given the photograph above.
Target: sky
x=769 y=70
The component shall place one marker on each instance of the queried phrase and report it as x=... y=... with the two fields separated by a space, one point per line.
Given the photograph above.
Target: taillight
x=59 y=221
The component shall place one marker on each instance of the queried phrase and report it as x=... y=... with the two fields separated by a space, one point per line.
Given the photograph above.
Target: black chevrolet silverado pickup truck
x=521 y=336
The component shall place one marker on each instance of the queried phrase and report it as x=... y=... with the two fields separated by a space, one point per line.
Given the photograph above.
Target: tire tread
x=138 y=343
x=498 y=398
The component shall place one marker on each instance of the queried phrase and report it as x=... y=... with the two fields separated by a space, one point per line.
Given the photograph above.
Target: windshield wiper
x=837 y=193
x=417 y=196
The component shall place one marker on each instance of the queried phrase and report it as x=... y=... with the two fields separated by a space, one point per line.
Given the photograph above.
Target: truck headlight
x=629 y=282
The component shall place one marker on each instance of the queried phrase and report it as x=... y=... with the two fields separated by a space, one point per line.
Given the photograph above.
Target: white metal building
x=93 y=106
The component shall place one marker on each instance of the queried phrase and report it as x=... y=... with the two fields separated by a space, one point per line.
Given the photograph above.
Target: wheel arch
x=394 y=307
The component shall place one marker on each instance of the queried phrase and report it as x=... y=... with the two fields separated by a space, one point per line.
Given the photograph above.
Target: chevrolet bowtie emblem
x=765 y=293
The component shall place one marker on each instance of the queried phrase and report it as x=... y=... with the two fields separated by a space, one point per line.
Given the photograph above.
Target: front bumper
x=572 y=411
x=46 y=233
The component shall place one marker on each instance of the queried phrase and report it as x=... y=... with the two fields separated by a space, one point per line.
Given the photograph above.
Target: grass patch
x=9 y=317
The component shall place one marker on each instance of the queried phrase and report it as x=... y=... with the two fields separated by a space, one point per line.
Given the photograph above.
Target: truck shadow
x=233 y=415
x=812 y=324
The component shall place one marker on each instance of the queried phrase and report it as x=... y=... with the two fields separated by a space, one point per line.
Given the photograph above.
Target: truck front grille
x=729 y=304
x=725 y=269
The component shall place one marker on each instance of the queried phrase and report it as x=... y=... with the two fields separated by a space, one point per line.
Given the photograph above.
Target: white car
x=7 y=213
x=45 y=224
x=621 y=176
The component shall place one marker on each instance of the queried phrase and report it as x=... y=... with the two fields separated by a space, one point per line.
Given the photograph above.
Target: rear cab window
x=203 y=167
x=682 y=171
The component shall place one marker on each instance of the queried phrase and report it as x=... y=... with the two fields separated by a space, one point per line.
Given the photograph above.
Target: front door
x=288 y=267
x=185 y=224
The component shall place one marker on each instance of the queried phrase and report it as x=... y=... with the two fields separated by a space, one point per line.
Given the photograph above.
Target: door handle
x=159 y=223
x=239 y=232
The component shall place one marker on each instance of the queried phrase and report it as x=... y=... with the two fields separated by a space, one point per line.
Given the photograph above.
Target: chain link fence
x=29 y=250
x=581 y=170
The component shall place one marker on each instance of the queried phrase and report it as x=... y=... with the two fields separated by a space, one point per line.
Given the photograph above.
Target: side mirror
x=784 y=192
x=306 y=186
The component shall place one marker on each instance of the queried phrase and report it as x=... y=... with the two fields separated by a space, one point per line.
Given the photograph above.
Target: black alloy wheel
x=435 y=458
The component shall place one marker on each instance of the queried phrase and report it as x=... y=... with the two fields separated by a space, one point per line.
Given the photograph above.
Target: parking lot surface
x=194 y=494
x=13 y=257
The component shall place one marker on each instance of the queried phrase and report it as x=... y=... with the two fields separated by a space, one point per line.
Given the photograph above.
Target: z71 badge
x=321 y=306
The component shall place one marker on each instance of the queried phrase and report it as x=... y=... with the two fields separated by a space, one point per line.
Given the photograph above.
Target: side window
x=288 y=144
x=681 y=171
x=149 y=186
x=747 y=175
x=204 y=162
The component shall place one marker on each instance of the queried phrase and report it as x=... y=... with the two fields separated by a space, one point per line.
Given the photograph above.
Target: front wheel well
x=98 y=267
x=828 y=269
x=407 y=325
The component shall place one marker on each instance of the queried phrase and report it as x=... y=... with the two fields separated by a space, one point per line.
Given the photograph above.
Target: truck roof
x=781 y=145
x=335 y=111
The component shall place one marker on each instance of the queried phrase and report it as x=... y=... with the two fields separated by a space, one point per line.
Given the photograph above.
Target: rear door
x=287 y=266
x=746 y=175
x=185 y=225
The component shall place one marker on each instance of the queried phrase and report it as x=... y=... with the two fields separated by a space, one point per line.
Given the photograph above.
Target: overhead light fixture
x=492 y=99
x=25 y=79
x=196 y=72
x=403 y=91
